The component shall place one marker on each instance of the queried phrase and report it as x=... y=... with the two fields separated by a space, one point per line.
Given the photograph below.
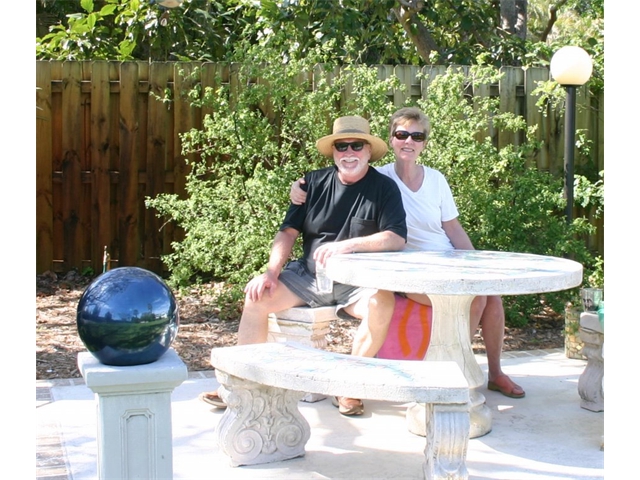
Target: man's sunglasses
x=416 y=136
x=355 y=146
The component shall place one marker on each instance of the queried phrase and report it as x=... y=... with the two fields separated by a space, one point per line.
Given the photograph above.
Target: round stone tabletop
x=456 y=272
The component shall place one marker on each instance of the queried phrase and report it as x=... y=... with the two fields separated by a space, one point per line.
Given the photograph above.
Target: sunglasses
x=355 y=146
x=415 y=136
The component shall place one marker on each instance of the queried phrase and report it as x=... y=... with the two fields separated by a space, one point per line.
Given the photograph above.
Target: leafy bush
x=505 y=203
x=247 y=157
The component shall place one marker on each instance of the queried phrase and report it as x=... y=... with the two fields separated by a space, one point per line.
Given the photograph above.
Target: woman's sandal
x=212 y=398
x=506 y=390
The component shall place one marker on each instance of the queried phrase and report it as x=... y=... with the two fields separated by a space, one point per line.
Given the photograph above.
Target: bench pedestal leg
x=447 y=441
x=590 y=385
x=261 y=424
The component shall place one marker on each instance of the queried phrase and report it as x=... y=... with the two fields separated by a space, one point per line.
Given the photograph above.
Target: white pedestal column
x=134 y=415
x=450 y=341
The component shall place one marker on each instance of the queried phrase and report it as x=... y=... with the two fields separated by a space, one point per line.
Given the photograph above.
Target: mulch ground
x=205 y=324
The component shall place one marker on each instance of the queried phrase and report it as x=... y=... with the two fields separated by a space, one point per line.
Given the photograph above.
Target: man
x=350 y=208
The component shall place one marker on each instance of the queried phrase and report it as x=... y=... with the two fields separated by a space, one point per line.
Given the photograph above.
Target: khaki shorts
x=297 y=278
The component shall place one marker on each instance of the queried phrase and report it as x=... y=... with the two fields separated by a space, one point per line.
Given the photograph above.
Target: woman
x=432 y=223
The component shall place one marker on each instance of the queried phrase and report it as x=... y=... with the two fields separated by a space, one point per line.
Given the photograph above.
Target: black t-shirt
x=334 y=211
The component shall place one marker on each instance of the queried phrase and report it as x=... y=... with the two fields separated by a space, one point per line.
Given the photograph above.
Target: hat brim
x=378 y=146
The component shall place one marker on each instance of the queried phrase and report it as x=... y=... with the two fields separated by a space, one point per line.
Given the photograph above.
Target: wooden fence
x=104 y=142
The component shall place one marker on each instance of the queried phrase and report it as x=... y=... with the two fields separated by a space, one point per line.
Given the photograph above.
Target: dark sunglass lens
x=416 y=136
x=355 y=146
x=341 y=147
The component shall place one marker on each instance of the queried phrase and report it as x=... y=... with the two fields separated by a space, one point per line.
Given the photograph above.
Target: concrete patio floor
x=545 y=435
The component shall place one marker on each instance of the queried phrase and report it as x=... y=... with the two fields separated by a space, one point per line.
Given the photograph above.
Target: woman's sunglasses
x=355 y=146
x=416 y=136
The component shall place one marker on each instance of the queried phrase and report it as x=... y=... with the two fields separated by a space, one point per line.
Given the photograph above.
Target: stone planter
x=573 y=345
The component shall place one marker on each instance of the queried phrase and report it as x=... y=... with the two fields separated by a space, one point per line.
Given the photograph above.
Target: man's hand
x=267 y=282
x=297 y=195
x=323 y=252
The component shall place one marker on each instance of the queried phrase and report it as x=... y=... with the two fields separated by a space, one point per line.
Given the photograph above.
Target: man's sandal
x=507 y=388
x=348 y=406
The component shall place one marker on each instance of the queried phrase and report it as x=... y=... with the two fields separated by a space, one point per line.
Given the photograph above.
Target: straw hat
x=352 y=127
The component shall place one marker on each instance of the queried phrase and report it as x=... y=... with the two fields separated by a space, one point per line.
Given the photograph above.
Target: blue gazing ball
x=127 y=316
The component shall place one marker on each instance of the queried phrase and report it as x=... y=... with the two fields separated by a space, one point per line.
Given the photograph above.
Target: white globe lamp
x=571 y=67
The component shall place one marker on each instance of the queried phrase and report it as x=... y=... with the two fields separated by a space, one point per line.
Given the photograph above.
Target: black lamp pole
x=569 y=147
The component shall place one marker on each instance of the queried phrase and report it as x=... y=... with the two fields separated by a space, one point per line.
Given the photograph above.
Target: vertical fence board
x=71 y=163
x=507 y=91
x=85 y=203
x=384 y=72
x=186 y=118
x=159 y=129
x=534 y=116
x=100 y=177
x=480 y=92
x=598 y=126
x=407 y=74
x=44 y=169
x=128 y=194
x=430 y=73
x=209 y=79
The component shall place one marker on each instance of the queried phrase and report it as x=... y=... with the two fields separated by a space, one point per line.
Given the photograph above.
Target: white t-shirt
x=426 y=209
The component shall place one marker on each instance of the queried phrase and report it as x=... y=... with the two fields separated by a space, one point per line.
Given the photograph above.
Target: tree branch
x=553 y=17
x=407 y=15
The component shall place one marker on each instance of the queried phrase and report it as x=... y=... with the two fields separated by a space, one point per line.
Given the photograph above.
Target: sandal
x=507 y=388
x=348 y=406
x=212 y=398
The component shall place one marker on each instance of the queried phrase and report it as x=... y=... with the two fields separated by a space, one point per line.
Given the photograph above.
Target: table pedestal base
x=479 y=417
x=450 y=340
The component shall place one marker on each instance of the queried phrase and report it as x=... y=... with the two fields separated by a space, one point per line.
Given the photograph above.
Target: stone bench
x=304 y=325
x=262 y=384
x=591 y=382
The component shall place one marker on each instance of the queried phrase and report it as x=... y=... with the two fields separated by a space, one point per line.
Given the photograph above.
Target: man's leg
x=492 y=322
x=254 y=322
x=254 y=325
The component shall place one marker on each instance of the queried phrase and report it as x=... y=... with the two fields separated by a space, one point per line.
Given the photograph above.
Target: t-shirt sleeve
x=393 y=216
x=295 y=216
x=448 y=204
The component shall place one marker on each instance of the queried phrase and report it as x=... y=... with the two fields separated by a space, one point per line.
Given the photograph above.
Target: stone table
x=452 y=279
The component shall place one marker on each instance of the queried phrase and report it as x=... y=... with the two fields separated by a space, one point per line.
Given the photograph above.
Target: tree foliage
x=464 y=32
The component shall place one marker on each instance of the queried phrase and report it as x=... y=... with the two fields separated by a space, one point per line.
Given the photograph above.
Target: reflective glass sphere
x=127 y=316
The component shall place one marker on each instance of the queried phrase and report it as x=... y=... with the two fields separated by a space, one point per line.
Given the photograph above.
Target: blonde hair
x=408 y=115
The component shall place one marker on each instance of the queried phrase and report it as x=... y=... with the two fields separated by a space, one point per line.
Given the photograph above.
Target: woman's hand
x=297 y=195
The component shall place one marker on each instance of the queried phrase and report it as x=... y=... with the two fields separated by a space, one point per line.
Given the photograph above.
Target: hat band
x=350 y=131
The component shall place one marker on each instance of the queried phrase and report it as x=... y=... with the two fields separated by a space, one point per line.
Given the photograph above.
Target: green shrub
x=248 y=156
x=505 y=203
x=238 y=186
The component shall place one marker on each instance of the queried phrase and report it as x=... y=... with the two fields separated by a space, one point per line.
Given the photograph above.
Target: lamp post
x=570 y=67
